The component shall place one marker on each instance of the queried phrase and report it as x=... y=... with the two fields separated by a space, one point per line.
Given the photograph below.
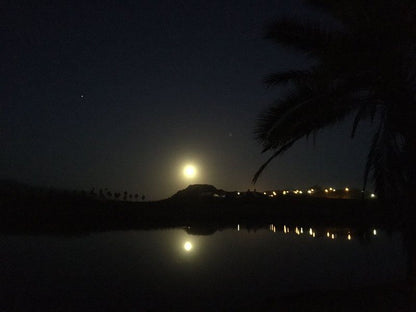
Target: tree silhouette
x=92 y=192
x=365 y=66
x=136 y=196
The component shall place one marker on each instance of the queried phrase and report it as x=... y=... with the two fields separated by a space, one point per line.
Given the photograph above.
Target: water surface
x=151 y=270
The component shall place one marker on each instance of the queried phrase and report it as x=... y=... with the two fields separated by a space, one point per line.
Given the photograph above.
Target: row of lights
x=309 y=191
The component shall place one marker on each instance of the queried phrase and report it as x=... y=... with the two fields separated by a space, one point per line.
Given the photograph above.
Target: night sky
x=122 y=94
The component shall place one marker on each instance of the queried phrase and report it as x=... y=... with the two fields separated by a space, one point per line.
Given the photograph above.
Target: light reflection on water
x=164 y=268
x=333 y=233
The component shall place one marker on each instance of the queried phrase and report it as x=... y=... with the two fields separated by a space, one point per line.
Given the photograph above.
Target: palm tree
x=365 y=65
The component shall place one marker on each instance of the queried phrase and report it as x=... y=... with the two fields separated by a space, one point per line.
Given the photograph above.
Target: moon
x=189 y=171
x=187 y=246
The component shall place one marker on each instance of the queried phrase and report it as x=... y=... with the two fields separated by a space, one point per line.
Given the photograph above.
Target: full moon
x=189 y=171
x=187 y=246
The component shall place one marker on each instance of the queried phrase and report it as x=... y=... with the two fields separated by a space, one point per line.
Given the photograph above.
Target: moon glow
x=189 y=171
x=187 y=246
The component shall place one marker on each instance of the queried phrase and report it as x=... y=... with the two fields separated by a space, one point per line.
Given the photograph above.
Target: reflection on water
x=317 y=232
x=194 y=268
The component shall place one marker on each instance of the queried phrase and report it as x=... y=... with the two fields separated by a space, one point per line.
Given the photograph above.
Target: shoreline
x=83 y=214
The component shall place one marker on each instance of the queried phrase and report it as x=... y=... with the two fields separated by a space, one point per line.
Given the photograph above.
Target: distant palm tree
x=92 y=192
x=365 y=66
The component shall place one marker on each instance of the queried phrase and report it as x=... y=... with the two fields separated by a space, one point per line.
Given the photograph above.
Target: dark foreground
x=386 y=297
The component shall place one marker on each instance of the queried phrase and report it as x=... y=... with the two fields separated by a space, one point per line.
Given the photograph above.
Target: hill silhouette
x=199 y=191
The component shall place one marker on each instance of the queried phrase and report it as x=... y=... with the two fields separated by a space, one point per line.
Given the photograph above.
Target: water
x=151 y=270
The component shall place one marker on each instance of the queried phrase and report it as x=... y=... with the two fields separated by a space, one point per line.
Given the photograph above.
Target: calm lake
x=171 y=269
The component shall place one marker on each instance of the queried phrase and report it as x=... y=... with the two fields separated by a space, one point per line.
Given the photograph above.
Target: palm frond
x=278 y=116
x=287 y=76
x=385 y=161
x=367 y=110
x=357 y=119
x=303 y=112
x=277 y=153
x=311 y=38
x=372 y=155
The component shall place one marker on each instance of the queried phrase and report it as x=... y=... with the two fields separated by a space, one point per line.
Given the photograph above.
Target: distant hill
x=196 y=191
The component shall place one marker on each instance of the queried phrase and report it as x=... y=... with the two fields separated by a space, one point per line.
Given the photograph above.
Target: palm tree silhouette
x=365 y=66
